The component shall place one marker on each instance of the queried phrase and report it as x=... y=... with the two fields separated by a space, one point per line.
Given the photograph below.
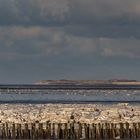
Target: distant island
x=78 y=82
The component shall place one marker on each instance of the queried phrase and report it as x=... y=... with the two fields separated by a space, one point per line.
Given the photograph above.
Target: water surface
x=72 y=96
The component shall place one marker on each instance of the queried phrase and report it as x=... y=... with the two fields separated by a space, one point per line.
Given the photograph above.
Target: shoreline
x=64 y=113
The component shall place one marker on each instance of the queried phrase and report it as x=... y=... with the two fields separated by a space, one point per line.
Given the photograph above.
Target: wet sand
x=63 y=113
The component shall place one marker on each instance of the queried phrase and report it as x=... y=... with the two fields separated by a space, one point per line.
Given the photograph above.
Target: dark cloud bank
x=72 y=39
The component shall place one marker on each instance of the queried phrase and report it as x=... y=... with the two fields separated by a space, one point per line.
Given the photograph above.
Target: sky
x=69 y=39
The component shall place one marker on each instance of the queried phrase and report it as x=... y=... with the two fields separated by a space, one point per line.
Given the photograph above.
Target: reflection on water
x=63 y=96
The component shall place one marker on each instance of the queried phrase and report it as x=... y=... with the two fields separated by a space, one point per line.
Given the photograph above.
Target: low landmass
x=79 y=82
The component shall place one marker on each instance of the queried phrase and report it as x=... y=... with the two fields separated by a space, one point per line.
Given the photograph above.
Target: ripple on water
x=78 y=96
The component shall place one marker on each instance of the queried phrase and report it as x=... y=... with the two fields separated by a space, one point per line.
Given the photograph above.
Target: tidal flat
x=64 y=113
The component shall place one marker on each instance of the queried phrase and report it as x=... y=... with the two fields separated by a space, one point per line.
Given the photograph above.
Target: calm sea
x=71 y=96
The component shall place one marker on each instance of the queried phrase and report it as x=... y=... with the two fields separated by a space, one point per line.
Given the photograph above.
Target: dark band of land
x=76 y=85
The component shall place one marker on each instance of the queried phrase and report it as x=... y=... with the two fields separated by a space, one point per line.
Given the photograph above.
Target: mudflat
x=64 y=113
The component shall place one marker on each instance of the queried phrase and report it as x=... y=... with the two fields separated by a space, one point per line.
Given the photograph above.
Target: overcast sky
x=69 y=39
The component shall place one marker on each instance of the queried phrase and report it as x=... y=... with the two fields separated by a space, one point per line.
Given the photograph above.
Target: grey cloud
x=120 y=47
x=78 y=39
x=107 y=11
x=106 y=31
x=90 y=18
x=43 y=41
x=8 y=12
x=91 y=27
x=32 y=12
x=39 y=41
